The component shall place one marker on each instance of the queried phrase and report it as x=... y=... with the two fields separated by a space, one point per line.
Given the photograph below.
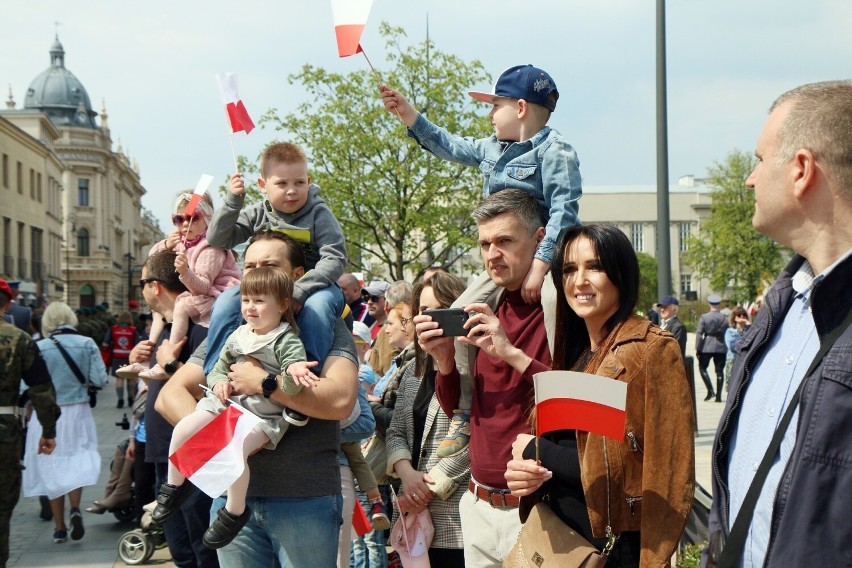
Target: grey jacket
x=325 y=247
x=710 y=334
x=810 y=519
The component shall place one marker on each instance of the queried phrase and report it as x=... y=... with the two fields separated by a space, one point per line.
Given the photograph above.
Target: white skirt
x=74 y=463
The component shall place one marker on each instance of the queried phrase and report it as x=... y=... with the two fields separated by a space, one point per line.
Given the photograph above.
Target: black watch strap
x=171 y=367
x=269 y=384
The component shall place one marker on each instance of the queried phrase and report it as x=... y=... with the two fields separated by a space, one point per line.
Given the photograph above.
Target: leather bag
x=545 y=541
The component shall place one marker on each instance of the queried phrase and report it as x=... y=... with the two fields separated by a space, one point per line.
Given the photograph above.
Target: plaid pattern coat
x=450 y=474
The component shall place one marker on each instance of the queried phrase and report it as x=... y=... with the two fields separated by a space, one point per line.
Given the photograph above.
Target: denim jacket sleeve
x=467 y=150
x=562 y=186
x=364 y=424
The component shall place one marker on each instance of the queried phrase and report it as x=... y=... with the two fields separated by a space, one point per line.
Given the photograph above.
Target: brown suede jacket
x=651 y=472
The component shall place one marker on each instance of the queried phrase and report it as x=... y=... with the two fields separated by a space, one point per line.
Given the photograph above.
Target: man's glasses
x=145 y=281
x=178 y=220
x=370 y=298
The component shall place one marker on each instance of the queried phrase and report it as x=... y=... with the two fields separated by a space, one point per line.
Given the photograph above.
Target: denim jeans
x=186 y=528
x=291 y=533
x=369 y=550
x=316 y=323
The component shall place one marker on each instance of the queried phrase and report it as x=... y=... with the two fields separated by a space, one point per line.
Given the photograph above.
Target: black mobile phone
x=451 y=320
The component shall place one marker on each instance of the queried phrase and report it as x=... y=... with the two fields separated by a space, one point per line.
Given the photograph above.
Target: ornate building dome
x=60 y=95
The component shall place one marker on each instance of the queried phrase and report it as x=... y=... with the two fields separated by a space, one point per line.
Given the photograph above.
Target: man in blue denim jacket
x=523 y=153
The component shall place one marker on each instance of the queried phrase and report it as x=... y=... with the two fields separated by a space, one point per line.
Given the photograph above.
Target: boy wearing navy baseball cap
x=523 y=153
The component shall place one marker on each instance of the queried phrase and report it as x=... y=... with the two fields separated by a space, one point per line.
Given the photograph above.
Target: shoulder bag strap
x=735 y=543
x=74 y=368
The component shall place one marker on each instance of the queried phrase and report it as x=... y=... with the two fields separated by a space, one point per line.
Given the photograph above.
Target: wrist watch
x=269 y=384
x=171 y=367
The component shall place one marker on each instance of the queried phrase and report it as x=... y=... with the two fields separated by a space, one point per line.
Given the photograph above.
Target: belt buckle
x=503 y=499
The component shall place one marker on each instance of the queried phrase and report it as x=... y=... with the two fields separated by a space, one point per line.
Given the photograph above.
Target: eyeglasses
x=145 y=281
x=405 y=321
x=370 y=298
x=178 y=220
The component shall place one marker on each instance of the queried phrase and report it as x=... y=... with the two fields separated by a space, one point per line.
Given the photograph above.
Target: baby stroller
x=137 y=546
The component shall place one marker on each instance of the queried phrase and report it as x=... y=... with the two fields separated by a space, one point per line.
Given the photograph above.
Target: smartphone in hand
x=451 y=320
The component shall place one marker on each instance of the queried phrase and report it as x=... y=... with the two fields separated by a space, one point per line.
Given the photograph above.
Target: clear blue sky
x=154 y=64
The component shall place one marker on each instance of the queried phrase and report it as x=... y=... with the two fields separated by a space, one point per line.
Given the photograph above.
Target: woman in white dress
x=75 y=463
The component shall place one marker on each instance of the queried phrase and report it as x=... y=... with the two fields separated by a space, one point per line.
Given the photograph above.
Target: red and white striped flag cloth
x=350 y=17
x=200 y=189
x=212 y=459
x=567 y=400
x=237 y=113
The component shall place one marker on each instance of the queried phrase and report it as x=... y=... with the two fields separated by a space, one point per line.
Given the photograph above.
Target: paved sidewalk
x=32 y=539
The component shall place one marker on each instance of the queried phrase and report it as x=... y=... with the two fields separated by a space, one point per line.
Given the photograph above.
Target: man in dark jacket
x=803 y=189
x=710 y=345
x=669 y=321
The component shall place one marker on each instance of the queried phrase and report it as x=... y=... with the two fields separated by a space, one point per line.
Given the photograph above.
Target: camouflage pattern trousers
x=11 y=441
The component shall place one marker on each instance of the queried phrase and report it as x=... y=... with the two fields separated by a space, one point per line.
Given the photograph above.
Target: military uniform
x=19 y=358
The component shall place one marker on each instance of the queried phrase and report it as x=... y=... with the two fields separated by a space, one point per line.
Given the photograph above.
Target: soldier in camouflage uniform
x=19 y=358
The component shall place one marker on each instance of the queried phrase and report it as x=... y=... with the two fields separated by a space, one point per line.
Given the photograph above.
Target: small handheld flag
x=238 y=116
x=200 y=189
x=350 y=17
x=567 y=400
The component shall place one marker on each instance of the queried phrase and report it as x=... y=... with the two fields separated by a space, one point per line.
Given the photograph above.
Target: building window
x=637 y=235
x=685 y=284
x=6 y=171
x=38 y=186
x=32 y=184
x=83 y=192
x=684 y=237
x=82 y=242
x=37 y=246
x=20 y=173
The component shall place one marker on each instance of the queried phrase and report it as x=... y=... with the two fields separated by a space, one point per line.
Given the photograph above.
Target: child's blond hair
x=282 y=153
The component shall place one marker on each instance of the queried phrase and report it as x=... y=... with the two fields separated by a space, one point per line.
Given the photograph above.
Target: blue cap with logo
x=526 y=82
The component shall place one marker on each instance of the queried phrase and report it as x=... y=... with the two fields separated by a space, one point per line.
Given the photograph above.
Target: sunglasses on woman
x=178 y=220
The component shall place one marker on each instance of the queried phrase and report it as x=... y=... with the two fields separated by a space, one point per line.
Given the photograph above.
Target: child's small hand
x=397 y=104
x=181 y=263
x=173 y=239
x=237 y=186
x=531 y=288
x=302 y=374
x=223 y=390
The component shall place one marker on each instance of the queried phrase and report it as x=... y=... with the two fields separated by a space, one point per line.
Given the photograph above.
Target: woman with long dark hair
x=638 y=488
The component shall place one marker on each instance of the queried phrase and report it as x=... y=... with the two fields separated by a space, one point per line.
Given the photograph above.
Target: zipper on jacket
x=631 y=503
x=610 y=536
x=634 y=443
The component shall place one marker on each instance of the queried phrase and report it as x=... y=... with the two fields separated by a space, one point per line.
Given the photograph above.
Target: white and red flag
x=238 y=116
x=200 y=189
x=350 y=17
x=567 y=400
x=212 y=459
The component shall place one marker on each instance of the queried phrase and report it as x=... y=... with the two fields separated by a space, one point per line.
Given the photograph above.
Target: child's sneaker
x=60 y=536
x=295 y=418
x=169 y=501
x=458 y=436
x=379 y=517
x=225 y=528
x=77 y=529
x=130 y=371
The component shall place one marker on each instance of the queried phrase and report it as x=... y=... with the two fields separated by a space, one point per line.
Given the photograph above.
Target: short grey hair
x=516 y=201
x=398 y=292
x=56 y=315
x=820 y=120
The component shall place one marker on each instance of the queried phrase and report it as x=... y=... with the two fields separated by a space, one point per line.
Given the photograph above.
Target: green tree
x=401 y=208
x=727 y=250
x=647 y=281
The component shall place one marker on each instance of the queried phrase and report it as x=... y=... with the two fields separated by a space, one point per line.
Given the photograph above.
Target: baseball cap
x=714 y=299
x=132 y=304
x=6 y=289
x=669 y=301
x=361 y=332
x=526 y=82
x=375 y=288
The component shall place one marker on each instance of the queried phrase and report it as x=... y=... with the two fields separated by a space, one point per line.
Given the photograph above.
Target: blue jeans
x=369 y=551
x=316 y=323
x=185 y=529
x=290 y=533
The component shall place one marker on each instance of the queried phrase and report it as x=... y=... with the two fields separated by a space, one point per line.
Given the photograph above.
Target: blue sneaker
x=60 y=536
x=77 y=530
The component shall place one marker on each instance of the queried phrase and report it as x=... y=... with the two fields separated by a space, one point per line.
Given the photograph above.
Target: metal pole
x=664 y=253
x=130 y=259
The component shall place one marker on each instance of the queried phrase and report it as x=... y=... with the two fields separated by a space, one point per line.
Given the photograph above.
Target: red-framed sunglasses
x=178 y=220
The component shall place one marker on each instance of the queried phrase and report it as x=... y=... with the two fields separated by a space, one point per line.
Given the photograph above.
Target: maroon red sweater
x=502 y=397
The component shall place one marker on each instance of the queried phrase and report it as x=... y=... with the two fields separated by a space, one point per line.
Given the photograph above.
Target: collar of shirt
x=804 y=280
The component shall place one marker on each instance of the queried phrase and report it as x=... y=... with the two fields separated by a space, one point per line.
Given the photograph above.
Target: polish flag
x=212 y=459
x=200 y=190
x=567 y=400
x=360 y=522
x=237 y=113
x=350 y=17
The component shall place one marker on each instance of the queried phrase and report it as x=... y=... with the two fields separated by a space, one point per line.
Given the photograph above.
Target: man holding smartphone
x=513 y=347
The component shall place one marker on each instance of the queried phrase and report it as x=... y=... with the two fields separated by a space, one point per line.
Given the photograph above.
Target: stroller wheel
x=134 y=548
x=124 y=514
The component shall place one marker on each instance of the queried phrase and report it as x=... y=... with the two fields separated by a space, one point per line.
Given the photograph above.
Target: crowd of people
x=365 y=399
